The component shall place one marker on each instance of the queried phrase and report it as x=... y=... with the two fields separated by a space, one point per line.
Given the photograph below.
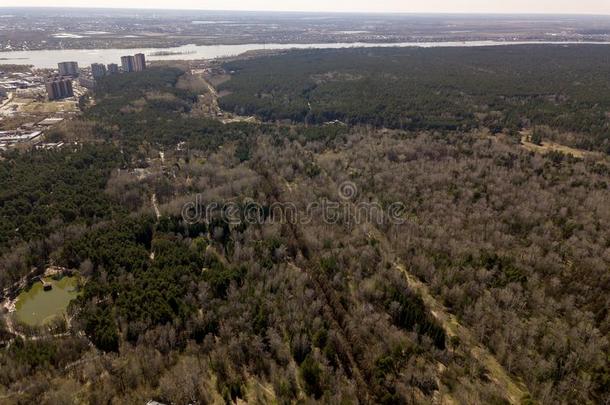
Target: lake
x=36 y=307
x=49 y=58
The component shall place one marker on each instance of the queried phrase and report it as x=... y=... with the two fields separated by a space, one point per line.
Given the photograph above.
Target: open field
x=47 y=107
x=547 y=146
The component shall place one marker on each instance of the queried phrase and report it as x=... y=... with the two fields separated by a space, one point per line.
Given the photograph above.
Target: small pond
x=36 y=306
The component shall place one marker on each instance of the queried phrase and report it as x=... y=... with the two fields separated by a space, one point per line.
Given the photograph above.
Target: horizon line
x=461 y=13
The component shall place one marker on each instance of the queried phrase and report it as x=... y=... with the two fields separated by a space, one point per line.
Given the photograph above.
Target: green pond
x=37 y=307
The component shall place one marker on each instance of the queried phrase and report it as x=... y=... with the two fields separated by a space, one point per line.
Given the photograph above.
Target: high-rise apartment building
x=59 y=87
x=68 y=68
x=98 y=70
x=113 y=68
x=128 y=63
x=140 y=62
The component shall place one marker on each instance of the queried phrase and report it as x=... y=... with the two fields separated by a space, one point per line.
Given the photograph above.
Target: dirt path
x=9 y=99
x=513 y=391
x=224 y=118
x=214 y=94
x=10 y=327
x=155 y=205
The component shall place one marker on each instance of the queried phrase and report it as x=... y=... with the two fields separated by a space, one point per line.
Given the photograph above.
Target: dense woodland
x=500 y=88
x=515 y=244
x=149 y=109
x=41 y=193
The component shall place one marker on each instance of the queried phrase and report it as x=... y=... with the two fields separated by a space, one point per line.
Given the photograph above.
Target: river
x=49 y=58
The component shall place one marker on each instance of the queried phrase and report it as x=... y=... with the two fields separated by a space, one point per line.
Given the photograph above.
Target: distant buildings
x=49 y=145
x=50 y=121
x=135 y=63
x=140 y=62
x=10 y=138
x=128 y=63
x=32 y=88
x=113 y=68
x=16 y=82
x=98 y=70
x=58 y=87
x=87 y=82
x=68 y=69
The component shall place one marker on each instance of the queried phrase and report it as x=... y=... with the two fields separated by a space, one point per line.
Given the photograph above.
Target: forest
x=42 y=192
x=500 y=88
x=150 y=109
x=492 y=289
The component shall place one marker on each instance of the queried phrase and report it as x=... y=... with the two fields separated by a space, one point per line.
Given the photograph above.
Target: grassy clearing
x=48 y=107
x=546 y=147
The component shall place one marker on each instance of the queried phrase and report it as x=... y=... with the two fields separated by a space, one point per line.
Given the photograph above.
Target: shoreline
x=8 y=303
x=42 y=59
x=163 y=48
x=10 y=294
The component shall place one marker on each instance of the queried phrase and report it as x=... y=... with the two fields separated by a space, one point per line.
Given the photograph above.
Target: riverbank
x=47 y=59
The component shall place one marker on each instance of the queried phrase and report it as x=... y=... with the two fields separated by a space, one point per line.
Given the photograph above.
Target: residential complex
x=128 y=63
x=59 y=87
x=113 y=68
x=98 y=70
x=140 y=62
x=133 y=63
x=68 y=69
x=47 y=99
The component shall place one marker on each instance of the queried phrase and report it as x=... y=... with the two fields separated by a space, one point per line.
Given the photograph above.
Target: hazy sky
x=462 y=6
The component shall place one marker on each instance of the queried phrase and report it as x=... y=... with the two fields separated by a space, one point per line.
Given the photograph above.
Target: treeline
x=504 y=88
